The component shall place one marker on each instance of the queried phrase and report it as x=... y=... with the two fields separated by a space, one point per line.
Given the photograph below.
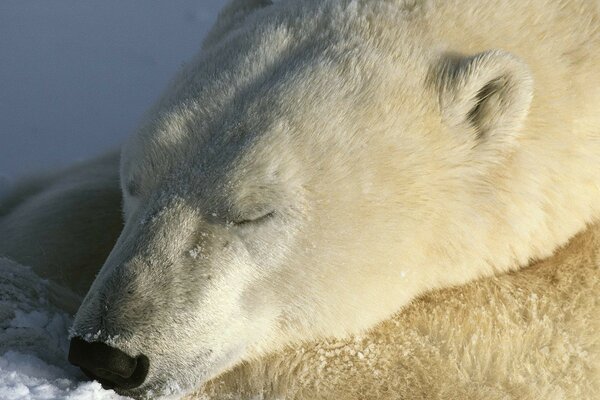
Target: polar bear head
x=285 y=190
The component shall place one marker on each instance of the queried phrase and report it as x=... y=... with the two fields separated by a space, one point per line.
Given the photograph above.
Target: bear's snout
x=110 y=366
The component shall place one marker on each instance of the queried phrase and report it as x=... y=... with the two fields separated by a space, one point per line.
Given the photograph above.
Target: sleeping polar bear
x=318 y=166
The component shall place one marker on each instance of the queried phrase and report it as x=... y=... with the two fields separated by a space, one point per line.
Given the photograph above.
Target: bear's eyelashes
x=254 y=219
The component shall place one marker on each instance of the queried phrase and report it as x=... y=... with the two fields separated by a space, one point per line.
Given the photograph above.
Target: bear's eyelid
x=260 y=218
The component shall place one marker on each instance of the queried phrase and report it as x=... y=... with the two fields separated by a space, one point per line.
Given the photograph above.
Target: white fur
x=63 y=224
x=526 y=335
x=321 y=163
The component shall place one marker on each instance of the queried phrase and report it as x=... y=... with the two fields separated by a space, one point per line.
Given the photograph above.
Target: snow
x=75 y=78
x=24 y=376
x=34 y=341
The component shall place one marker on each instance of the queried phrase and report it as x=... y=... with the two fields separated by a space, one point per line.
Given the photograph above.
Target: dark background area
x=77 y=75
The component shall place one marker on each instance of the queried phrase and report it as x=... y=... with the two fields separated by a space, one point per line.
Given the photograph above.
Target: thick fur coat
x=322 y=163
x=527 y=335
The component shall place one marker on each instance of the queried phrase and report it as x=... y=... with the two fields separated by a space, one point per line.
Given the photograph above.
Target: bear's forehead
x=224 y=168
x=277 y=57
x=222 y=108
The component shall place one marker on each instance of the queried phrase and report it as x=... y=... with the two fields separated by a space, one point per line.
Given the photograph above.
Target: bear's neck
x=548 y=191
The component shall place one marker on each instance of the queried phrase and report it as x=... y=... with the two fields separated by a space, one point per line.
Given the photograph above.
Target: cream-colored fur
x=321 y=163
x=63 y=224
x=527 y=335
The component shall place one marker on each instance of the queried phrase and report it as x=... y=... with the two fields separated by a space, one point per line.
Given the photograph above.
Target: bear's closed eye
x=254 y=219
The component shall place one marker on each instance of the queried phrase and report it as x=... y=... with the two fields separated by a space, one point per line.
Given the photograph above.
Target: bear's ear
x=486 y=96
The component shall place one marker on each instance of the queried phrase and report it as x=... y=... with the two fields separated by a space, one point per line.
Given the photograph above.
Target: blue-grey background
x=77 y=75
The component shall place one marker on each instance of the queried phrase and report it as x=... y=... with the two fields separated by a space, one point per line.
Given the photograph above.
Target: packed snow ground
x=76 y=78
x=34 y=341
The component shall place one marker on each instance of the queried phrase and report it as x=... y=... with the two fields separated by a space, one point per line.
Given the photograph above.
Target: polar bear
x=321 y=163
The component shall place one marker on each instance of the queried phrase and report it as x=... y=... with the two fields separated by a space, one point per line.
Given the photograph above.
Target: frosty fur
x=319 y=165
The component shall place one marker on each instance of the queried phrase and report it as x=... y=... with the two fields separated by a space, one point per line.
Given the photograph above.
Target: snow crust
x=34 y=341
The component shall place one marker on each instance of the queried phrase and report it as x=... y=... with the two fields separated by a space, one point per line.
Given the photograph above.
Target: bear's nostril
x=110 y=366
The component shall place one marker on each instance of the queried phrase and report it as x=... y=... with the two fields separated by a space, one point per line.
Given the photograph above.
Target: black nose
x=109 y=366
